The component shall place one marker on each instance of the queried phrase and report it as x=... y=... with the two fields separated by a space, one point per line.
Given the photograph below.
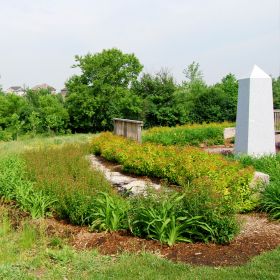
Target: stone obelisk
x=255 y=121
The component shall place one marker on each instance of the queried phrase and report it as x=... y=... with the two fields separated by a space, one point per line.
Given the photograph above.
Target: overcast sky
x=39 y=38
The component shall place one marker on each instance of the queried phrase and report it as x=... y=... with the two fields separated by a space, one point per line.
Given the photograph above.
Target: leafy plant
x=165 y=220
x=270 y=200
x=108 y=213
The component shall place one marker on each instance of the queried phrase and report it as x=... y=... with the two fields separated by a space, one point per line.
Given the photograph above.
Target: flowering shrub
x=181 y=166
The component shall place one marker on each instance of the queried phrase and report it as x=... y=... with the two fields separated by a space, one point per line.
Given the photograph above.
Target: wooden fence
x=277 y=120
x=128 y=128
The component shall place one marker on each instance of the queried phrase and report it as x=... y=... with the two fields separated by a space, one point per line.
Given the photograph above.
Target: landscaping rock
x=124 y=183
x=229 y=133
x=260 y=178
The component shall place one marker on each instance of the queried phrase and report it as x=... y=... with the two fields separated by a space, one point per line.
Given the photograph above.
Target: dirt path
x=258 y=234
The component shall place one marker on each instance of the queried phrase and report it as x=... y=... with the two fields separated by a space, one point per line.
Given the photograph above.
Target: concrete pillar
x=255 y=122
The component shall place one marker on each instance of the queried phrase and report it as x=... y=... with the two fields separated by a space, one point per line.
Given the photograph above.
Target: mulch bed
x=258 y=235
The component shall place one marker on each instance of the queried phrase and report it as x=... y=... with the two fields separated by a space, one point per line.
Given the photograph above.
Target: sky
x=39 y=38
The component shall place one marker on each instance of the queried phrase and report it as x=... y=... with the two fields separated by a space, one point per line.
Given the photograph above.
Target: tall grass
x=14 y=187
x=65 y=173
x=193 y=135
x=40 y=142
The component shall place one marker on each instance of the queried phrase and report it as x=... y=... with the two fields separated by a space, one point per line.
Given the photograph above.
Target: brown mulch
x=258 y=235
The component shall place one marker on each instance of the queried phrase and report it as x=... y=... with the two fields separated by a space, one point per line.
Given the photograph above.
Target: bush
x=165 y=219
x=208 y=134
x=270 y=196
x=215 y=212
x=180 y=166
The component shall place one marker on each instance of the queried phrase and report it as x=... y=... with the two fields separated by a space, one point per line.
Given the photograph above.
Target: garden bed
x=258 y=235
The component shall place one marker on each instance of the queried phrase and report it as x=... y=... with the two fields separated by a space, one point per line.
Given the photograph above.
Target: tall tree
x=102 y=91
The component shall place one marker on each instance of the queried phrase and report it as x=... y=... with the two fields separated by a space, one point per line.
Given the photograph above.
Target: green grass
x=25 y=144
x=193 y=135
x=28 y=253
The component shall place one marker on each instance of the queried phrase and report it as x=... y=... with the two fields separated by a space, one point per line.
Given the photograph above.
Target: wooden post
x=128 y=128
x=277 y=120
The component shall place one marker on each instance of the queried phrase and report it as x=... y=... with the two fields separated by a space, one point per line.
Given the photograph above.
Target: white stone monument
x=255 y=122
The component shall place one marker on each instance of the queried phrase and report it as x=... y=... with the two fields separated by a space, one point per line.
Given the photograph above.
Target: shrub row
x=194 y=135
x=181 y=166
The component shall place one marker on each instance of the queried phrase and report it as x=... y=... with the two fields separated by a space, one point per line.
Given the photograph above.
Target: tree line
x=110 y=84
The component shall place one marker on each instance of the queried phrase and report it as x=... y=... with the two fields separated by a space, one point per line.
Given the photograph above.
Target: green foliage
x=65 y=174
x=270 y=200
x=164 y=219
x=216 y=103
x=39 y=111
x=193 y=73
x=201 y=199
x=157 y=93
x=102 y=92
x=180 y=166
x=108 y=213
x=270 y=196
x=13 y=186
x=194 y=135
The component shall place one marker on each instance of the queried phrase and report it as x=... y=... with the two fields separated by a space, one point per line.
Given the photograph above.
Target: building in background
x=45 y=86
x=63 y=92
x=16 y=90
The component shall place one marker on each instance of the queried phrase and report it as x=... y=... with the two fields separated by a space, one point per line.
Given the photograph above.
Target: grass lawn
x=26 y=252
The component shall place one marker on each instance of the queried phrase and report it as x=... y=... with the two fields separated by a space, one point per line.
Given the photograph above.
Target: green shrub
x=194 y=135
x=270 y=196
x=217 y=213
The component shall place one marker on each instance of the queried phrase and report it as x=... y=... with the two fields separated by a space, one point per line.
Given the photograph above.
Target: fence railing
x=128 y=128
x=277 y=120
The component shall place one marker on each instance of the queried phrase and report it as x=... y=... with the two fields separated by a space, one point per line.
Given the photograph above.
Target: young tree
x=193 y=73
x=102 y=90
x=53 y=115
x=35 y=122
x=15 y=125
